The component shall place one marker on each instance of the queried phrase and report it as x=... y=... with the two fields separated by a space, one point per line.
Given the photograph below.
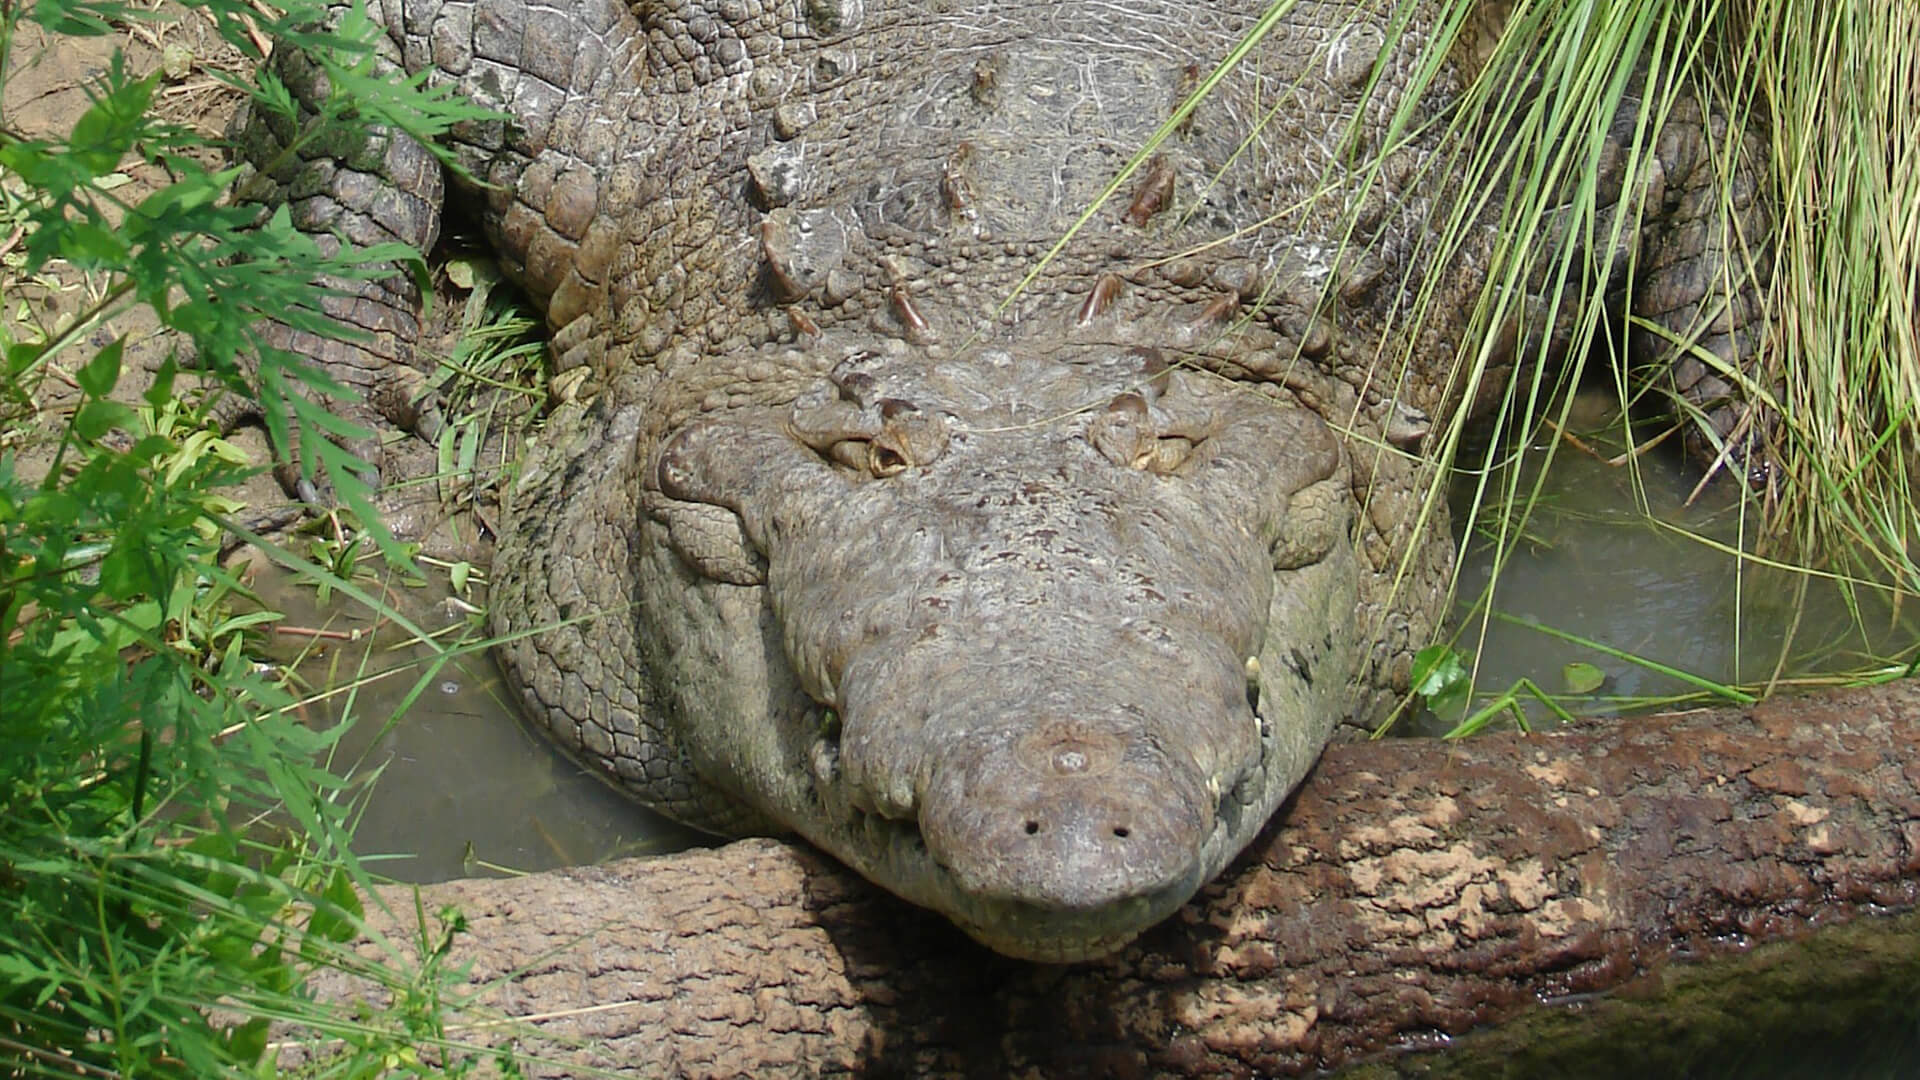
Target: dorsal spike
x=955 y=186
x=1218 y=313
x=1155 y=192
x=919 y=331
x=1106 y=289
x=984 y=87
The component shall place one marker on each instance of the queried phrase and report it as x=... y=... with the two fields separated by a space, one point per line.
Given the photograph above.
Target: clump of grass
x=496 y=372
x=151 y=923
x=1833 y=93
x=1840 y=84
x=1830 y=97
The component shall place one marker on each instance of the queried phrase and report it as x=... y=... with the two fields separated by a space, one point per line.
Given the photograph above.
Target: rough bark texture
x=1411 y=891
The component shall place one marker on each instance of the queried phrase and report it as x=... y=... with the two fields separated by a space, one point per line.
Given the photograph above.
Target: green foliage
x=1443 y=681
x=1582 y=677
x=150 y=924
x=502 y=347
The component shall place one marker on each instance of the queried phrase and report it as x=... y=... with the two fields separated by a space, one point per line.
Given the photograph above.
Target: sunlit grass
x=1842 y=82
x=1828 y=94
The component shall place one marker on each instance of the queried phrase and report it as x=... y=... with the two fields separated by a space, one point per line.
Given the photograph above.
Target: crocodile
x=1006 y=502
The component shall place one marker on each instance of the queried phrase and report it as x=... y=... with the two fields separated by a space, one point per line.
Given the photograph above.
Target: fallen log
x=1638 y=882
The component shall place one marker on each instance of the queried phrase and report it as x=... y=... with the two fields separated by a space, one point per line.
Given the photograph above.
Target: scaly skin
x=1030 y=603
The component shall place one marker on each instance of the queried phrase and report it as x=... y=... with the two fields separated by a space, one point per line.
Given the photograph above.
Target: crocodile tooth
x=918 y=330
x=1155 y=191
x=1106 y=289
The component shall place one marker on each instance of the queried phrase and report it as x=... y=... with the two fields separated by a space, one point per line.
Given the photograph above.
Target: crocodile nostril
x=1033 y=827
x=1122 y=831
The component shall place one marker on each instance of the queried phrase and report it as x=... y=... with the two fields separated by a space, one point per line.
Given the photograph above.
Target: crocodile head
x=1041 y=641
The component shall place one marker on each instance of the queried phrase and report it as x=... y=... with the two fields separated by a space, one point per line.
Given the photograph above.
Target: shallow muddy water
x=1620 y=557
x=464 y=787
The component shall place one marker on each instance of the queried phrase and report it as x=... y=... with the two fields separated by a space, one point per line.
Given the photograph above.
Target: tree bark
x=1636 y=882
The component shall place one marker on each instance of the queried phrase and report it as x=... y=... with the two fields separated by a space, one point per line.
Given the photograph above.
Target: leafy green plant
x=1443 y=681
x=151 y=924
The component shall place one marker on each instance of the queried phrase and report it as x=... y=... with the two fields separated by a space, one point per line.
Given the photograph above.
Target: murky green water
x=1621 y=556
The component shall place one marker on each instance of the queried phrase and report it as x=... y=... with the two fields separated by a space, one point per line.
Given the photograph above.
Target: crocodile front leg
x=379 y=189
x=549 y=179
x=569 y=186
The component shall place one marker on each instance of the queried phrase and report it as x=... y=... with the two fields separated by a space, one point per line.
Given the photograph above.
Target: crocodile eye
x=908 y=438
x=884 y=461
x=1156 y=437
x=1123 y=433
x=881 y=438
x=1127 y=435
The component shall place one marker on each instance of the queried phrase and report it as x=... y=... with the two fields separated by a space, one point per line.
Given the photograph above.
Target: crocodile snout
x=1065 y=787
x=1067 y=816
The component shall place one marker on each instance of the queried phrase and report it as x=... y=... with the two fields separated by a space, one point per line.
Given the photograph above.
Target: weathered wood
x=1411 y=891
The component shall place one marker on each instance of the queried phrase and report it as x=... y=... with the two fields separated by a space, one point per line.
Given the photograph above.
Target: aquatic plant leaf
x=1582 y=677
